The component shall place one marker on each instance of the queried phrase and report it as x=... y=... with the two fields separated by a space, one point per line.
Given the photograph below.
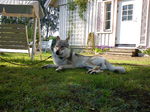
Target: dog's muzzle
x=57 y=52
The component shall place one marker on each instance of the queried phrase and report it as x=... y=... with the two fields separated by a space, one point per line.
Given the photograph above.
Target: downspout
x=148 y=26
x=115 y=21
x=147 y=20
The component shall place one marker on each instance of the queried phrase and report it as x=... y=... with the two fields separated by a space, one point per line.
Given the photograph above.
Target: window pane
x=108 y=14
x=125 y=7
x=130 y=12
x=107 y=25
x=124 y=18
x=124 y=13
x=108 y=6
x=129 y=17
x=130 y=6
x=127 y=12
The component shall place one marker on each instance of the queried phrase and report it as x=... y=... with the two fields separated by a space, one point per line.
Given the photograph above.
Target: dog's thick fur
x=64 y=58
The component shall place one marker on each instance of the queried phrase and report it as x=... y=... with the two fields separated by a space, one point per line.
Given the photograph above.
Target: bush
x=49 y=38
x=102 y=49
x=147 y=51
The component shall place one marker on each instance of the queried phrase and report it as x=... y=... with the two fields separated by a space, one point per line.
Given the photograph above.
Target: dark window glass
x=107 y=15
x=130 y=6
x=124 y=13
x=130 y=12
x=107 y=25
x=129 y=17
x=124 y=18
x=125 y=7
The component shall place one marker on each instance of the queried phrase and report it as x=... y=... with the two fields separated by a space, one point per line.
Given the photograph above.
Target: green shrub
x=49 y=38
x=147 y=51
x=101 y=49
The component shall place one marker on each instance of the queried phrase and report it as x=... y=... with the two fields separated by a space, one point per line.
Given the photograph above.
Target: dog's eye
x=62 y=47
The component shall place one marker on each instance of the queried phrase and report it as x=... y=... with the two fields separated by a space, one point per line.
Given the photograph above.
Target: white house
x=117 y=23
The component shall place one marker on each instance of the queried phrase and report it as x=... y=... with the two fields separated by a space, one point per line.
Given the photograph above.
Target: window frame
x=102 y=29
x=105 y=16
x=127 y=15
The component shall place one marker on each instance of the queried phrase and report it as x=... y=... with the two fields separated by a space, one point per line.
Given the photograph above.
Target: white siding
x=81 y=28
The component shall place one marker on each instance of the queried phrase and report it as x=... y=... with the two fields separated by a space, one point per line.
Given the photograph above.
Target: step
x=121 y=50
x=119 y=53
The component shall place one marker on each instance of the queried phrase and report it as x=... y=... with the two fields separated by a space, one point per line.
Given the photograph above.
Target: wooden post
x=34 y=39
x=26 y=29
x=40 y=43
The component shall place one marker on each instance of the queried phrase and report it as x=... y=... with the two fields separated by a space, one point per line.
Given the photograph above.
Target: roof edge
x=52 y=3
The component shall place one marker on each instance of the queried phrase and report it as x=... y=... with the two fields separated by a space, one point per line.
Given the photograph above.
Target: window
x=107 y=15
x=127 y=12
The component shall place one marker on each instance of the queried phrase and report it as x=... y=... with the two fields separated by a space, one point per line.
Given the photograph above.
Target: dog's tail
x=114 y=69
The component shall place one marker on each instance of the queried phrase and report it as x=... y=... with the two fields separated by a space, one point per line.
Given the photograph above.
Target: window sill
x=104 y=32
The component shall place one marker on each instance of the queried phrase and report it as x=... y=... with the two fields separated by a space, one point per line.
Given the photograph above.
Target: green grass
x=32 y=89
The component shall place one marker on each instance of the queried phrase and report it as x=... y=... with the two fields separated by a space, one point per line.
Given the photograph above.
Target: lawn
x=32 y=89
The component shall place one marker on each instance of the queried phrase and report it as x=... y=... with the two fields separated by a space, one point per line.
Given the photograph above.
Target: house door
x=127 y=24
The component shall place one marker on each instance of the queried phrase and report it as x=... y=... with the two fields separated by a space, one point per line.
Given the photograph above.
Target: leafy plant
x=82 y=5
x=72 y=5
x=102 y=49
x=147 y=51
x=49 y=38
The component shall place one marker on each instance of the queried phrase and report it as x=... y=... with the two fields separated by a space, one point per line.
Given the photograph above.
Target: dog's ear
x=67 y=39
x=57 y=38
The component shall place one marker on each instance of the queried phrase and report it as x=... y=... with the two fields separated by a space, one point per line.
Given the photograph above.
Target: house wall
x=105 y=38
x=71 y=24
x=79 y=29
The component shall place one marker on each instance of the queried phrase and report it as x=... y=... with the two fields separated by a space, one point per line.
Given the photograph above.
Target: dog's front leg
x=61 y=67
x=49 y=66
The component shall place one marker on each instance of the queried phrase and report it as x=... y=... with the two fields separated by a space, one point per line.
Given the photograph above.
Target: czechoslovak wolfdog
x=64 y=58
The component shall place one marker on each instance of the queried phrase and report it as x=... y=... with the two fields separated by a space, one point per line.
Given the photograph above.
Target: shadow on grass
x=36 y=89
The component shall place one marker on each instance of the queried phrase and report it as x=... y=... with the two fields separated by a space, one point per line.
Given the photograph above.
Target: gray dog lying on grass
x=64 y=58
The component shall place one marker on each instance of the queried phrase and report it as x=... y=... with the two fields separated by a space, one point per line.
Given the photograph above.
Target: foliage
x=31 y=89
x=50 y=20
x=81 y=4
x=30 y=32
x=102 y=49
x=15 y=20
x=71 y=5
x=147 y=51
x=49 y=38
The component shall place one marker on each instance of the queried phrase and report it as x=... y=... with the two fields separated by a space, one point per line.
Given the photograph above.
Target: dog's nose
x=57 y=52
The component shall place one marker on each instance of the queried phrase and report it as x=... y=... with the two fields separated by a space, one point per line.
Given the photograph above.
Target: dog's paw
x=59 y=69
x=93 y=71
x=45 y=67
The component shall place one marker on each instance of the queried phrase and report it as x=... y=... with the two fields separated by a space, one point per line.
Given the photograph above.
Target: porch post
x=40 y=43
x=34 y=39
x=114 y=20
